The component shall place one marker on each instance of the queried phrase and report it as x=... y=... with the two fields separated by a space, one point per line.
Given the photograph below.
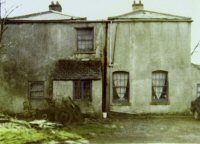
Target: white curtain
x=120 y=84
x=158 y=80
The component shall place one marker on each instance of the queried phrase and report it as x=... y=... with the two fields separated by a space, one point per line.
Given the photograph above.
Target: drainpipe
x=110 y=61
x=105 y=69
x=114 y=45
x=104 y=109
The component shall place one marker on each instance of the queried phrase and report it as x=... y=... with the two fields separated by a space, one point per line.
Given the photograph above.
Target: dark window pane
x=83 y=90
x=85 y=39
x=36 y=89
x=198 y=89
x=77 y=89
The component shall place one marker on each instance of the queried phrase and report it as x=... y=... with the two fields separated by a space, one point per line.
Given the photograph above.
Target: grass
x=90 y=130
x=11 y=133
x=24 y=136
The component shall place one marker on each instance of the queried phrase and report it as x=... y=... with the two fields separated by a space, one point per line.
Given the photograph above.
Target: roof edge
x=10 y=21
x=149 y=20
x=45 y=12
x=93 y=21
x=166 y=14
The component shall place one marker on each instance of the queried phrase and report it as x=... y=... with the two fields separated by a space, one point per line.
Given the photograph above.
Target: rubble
x=44 y=124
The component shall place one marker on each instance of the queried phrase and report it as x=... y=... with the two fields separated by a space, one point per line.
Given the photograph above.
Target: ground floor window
x=198 y=89
x=83 y=89
x=159 y=86
x=36 y=89
x=120 y=86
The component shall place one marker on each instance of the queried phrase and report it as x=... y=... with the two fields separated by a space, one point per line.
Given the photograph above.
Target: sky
x=101 y=9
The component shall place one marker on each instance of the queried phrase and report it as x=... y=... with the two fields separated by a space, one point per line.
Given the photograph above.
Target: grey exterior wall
x=30 y=52
x=63 y=89
x=143 y=47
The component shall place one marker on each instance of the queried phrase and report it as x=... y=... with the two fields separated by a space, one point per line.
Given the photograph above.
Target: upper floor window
x=159 y=86
x=36 y=89
x=120 y=86
x=198 y=89
x=83 y=89
x=85 y=39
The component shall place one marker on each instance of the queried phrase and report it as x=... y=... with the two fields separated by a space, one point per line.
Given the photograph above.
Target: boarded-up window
x=85 y=39
x=83 y=89
x=198 y=89
x=120 y=86
x=159 y=86
x=36 y=89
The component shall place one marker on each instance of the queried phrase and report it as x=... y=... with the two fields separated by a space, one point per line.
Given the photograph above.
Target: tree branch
x=195 y=48
x=3 y=21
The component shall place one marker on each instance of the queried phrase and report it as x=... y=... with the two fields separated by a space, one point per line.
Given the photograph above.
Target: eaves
x=54 y=21
x=150 y=20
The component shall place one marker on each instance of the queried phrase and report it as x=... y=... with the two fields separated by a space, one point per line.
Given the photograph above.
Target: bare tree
x=4 y=19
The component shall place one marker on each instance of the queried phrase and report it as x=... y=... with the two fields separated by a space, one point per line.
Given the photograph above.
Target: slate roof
x=47 y=16
x=149 y=16
x=76 y=70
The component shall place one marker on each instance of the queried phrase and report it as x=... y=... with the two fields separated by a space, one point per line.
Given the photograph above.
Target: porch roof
x=77 y=70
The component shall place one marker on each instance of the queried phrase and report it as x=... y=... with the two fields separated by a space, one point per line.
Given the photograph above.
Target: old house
x=138 y=62
x=150 y=66
x=53 y=55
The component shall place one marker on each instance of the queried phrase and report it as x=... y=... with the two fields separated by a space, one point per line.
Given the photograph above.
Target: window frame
x=31 y=91
x=166 y=89
x=114 y=91
x=81 y=89
x=87 y=50
x=197 y=92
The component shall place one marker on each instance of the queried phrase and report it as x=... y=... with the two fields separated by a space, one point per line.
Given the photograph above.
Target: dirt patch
x=153 y=129
x=115 y=129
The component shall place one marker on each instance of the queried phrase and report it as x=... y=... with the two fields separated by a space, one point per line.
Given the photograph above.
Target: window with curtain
x=85 y=39
x=120 y=86
x=83 y=89
x=198 y=89
x=159 y=86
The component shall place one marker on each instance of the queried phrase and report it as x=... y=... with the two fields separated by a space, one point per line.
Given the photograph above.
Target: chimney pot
x=55 y=7
x=137 y=6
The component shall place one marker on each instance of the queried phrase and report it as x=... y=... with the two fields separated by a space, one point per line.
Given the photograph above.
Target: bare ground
x=152 y=129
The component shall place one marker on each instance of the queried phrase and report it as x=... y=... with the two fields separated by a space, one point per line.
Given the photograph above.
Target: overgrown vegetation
x=30 y=135
x=24 y=132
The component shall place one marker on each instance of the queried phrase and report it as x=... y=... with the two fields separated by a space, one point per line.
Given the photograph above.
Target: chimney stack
x=137 y=6
x=55 y=7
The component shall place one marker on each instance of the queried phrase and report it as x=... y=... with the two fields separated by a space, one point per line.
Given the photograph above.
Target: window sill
x=121 y=104
x=84 y=52
x=37 y=98
x=82 y=100
x=160 y=103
